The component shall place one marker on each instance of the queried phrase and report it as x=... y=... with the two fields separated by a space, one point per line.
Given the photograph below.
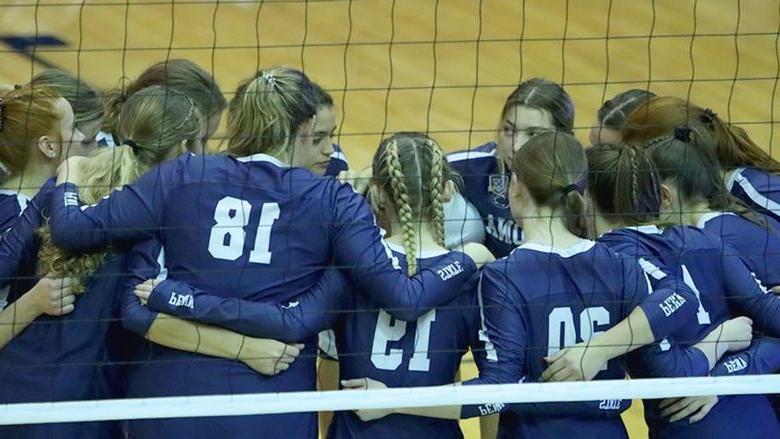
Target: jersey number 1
x=386 y=332
x=227 y=237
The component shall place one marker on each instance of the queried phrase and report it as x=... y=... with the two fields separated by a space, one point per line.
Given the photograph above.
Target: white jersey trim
x=21 y=199
x=338 y=155
x=468 y=155
x=757 y=197
x=262 y=158
x=710 y=216
x=647 y=230
x=581 y=247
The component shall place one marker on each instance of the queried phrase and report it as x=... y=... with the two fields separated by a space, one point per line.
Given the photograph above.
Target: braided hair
x=411 y=169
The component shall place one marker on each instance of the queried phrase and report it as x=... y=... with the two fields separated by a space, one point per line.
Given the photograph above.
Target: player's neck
x=691 y=213
x=545 y=228
x=29 y=181
x=423 y=238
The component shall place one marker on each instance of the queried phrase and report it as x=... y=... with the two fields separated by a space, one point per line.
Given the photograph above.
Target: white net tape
x=296 y=402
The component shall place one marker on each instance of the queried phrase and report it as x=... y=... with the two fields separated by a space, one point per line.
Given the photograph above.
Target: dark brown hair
x=181 y=75
x=687 y=159
x=544 y=95
x=613 y=112
x=553 y=167
x=624 y=183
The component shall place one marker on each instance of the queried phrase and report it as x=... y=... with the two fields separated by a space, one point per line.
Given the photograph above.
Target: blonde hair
x=158 y=120
x=265 y=114
x=181 y=75
x=26 y=114
x=87 y=103
x=411 y=168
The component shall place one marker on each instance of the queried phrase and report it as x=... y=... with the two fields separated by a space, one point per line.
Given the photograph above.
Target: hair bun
x=683 y=134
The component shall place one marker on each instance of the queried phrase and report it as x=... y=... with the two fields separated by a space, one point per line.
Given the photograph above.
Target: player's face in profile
x=518 y=125
x=72 y=141
x=315 y=155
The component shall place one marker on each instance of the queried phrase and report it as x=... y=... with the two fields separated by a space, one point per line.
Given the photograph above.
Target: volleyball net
x=439 y=67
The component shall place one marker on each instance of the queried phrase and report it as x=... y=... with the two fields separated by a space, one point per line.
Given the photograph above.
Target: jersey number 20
x=386 y=332
x=227 y=237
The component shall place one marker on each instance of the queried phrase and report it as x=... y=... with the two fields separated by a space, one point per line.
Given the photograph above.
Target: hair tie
x=570 y=188
x=683 y=134
x=132 y=145
x=2 y=113
x=269 y=78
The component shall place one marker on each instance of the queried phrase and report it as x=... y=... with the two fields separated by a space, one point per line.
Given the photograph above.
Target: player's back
x=691 y=262
x=427 y=352
x=250 y=228
x=566 y=296
x=699 y=259
x=758 y=244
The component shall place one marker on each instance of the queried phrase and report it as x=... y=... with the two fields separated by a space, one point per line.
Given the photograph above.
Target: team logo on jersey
x=497 y=187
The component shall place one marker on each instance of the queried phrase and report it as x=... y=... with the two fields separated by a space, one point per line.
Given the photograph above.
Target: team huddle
x=135 y=264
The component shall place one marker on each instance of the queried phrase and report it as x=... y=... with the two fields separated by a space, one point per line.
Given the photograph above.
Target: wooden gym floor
x=438 y=66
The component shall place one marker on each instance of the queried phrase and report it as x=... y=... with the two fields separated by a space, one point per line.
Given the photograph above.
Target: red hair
x=659 y=116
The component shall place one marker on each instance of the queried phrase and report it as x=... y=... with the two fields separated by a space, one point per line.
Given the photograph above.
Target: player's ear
x=449 y=191
x=668 y=197
x=49 y=149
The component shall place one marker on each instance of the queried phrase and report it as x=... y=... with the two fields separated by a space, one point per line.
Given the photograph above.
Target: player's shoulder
x=689 y=237
x=12 y=204
x=473 y=155
x=751 y=179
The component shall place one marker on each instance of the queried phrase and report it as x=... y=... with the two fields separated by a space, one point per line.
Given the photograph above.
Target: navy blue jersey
x=426 y=352
x=486 y=187
x=759 y=189
x=252 y=229
x=338 y=162
x=12 y=204
x=725 y=288
x=62 y=358
x=758 y=245
x=19 y=244
x=539 y=300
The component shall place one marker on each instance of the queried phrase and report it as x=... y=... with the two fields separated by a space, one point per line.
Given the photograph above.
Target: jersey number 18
x=227 y=237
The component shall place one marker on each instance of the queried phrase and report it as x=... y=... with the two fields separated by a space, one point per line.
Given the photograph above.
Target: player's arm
x=360 y=252
x=302 y=317
x=747 y=297
x=263 y=355
x=52 y=296
x=130 y=214
x=670 y=359
x=762 y=357
x=21 y=234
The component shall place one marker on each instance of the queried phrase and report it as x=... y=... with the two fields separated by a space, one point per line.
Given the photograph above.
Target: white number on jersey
x=561 y=331
x=227 y=237
x=388 y=330
x=702 y=315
